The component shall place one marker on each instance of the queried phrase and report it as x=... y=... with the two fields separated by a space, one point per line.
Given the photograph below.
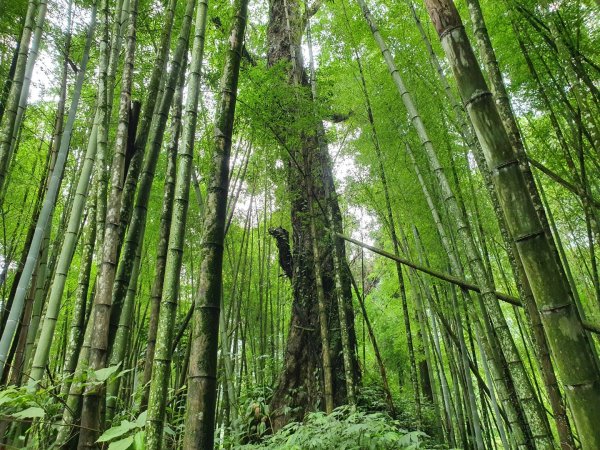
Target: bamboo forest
x=299 y=224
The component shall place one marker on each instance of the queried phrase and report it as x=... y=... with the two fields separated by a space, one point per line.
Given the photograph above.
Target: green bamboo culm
x=78 y=317
x=105 y=305
x=202 y=375
x=518 y=395
x=17 y=97
x=154 y=138
x=161 y=363
x=94 y=393
x=163 y=240
x=42 y=351
x=145 y=129
x=111 y=240
x=576 y=364
x=43 y=220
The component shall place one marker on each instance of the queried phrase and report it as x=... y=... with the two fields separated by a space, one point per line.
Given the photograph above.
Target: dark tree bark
x=282 y=236
x=298 y=389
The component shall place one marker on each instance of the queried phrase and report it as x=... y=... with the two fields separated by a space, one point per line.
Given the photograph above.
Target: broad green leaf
x=117 y=431
x=141 y=420
x=103 y=374
x=122 y=444
x=30 y=413
x=7 y=395
x=139 y=440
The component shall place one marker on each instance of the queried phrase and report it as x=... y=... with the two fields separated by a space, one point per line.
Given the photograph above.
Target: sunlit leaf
x=33 y=412
x=103 y=374
x=117 y=431
x=122 y=444
x=141 y=419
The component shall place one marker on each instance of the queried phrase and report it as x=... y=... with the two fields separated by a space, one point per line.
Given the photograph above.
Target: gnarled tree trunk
x=297 y=388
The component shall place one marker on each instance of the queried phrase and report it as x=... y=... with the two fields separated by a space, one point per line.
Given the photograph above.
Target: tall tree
x=297 y=390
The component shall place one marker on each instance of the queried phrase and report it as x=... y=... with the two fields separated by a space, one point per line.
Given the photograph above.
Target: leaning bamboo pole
x=590 y=326
x=44 y=217
x=552 y=294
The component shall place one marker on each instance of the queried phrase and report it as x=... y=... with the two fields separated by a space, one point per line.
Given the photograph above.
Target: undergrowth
x=346 y=428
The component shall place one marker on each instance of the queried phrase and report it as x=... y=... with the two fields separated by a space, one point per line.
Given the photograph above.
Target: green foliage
x=20 y=406
x=33 y=412
x=345 y=428
x=43 y=407
x=126 y=435
x=257 y=294
x=20 y=403
x=371 y=399
x=118 y=431
x=121 y=444
x=105 y=374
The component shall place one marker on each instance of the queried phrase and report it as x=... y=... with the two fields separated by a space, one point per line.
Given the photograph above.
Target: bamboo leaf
x=30 y=413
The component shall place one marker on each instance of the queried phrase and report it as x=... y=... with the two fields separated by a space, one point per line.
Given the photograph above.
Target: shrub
x=346 y=428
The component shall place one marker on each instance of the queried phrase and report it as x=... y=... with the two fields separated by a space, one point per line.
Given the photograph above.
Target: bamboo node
x=477 y=96
x=528 y=236
x=510 y=162
x=450 y=30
